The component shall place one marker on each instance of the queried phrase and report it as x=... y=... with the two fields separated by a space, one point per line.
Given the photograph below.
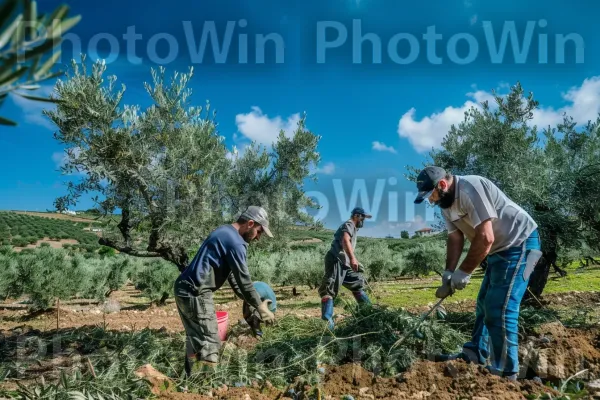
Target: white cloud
x=468 y=3
x=32 y=110
x=233 y=154
x=583 y=104
x=327 y=169
x=379 y=146
x=264 y=130
x=60 y=158
x=473 y=19
x=429 y=131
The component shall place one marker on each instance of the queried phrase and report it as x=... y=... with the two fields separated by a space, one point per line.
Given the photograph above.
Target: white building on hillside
x=424 y=232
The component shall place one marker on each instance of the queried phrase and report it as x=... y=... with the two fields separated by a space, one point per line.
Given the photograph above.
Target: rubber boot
x=361 y=297
x=327 y=311
x=194 y=366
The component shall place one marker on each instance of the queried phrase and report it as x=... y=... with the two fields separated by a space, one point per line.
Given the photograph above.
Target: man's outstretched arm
x=480 y=247
x=455 y=244
x=240 y=276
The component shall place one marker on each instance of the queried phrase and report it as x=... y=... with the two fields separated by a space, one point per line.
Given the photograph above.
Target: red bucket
x=222 y=321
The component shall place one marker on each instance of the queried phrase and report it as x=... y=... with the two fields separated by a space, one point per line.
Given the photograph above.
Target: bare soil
x=559 y=353
x=426 y=380
x=128 y=310
x=570 y=299
x=55 y=216
x=55 y=244
x=429 y=380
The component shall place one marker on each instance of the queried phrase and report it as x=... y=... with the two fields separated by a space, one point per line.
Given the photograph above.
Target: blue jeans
x=495 y=335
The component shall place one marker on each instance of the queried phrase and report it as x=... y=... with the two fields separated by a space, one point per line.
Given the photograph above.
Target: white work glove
x=460 y=279
x=265 y=314
x=445 y=289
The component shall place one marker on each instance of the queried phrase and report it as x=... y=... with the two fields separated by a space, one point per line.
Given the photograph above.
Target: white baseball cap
x=258 y=215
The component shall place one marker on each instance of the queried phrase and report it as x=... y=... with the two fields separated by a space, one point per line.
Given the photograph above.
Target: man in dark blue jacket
x=222 y=257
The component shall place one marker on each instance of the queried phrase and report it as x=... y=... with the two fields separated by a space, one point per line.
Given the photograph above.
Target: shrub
x=424 y=259
x=19 y=242
x=155 y=279
x=303 y=267
x=106 y=251
x=40 y=274
x=263 y=266
x=8 y=272
x=95 y=286
x=380 y=261
x=120 y=268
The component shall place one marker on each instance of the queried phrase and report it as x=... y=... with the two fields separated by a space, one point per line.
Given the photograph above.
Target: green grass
x=407 y=295
x=585 y=280
x=423 y=292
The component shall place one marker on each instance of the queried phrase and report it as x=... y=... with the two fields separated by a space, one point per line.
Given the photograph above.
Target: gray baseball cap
x=258 y=215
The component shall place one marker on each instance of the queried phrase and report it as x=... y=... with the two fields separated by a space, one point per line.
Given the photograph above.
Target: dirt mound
x=426 y=380
x=559 y=353
x=458 y=379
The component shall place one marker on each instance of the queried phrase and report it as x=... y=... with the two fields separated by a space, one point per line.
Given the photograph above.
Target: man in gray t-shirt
x=477 y=199
x=342 y=267
x=501 y=233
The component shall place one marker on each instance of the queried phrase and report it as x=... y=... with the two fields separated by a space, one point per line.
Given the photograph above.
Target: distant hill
x=27 y=229
x=303 y=237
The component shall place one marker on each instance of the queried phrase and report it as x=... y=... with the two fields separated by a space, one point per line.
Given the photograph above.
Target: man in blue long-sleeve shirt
x=222 y=257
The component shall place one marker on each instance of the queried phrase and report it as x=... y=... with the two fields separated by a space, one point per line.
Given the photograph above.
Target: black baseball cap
x=360 y=211
x=427 y=180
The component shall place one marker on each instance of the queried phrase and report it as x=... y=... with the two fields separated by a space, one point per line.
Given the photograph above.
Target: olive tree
x=28 y=42
x=167 y=169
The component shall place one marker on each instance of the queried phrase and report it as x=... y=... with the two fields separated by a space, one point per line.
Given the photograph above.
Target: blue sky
x=374 y=118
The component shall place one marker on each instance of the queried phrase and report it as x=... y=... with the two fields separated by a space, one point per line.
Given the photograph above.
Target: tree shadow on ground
x=27 y=353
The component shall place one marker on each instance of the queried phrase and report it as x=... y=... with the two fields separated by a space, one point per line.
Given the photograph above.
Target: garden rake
x=401 y=340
